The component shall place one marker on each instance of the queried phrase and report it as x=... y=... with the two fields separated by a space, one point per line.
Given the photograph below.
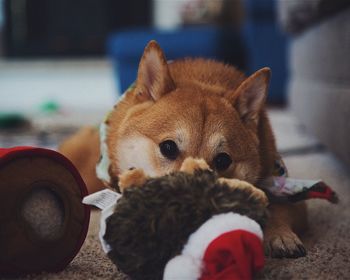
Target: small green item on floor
x=49 y=107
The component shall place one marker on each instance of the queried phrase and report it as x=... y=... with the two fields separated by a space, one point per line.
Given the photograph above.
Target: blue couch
x=258 y=44
x=266 y=45
x=126 y=47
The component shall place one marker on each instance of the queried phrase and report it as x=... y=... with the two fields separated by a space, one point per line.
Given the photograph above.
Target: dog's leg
x=243 y=185
x=133 y=177
x=280 y=239
x=83 y=149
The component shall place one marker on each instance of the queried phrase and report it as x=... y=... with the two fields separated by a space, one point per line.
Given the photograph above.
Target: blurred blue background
x=69 y=44
x=242 y=33
x=62 y=59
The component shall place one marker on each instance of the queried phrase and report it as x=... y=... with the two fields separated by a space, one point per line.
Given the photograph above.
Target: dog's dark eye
x=222 y=161
x=169 y=149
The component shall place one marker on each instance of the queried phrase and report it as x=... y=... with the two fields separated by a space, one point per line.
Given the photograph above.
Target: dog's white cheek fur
x=134 y=152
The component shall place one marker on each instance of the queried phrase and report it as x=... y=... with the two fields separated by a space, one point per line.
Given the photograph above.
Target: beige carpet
x=328 y=237
x=90 y=263
x=327 y=240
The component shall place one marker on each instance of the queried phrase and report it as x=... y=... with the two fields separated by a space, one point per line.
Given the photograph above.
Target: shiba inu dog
x=199 y=108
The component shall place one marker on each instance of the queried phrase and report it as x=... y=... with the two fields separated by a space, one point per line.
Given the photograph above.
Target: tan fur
x=198 y=108
x=239 y=184
x=134 y=177
x=83 y=149
x=190 y=164
x=205 y=107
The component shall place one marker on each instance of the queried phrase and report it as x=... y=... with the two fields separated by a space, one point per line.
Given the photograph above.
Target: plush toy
x=191 y=224
x=281 y=188
x=43 y=222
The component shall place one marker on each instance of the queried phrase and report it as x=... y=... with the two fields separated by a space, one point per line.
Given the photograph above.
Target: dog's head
x=173 y=113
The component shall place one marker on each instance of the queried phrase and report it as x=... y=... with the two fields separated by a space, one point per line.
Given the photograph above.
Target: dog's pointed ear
x=249 y=98
x=153 y=77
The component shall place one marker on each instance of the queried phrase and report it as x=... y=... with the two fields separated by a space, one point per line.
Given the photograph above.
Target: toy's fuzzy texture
x=151 y=224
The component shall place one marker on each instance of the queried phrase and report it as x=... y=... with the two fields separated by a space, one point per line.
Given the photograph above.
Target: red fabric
x=5 y=151
x=235 y=255
x=327 y=194
x=323 y=191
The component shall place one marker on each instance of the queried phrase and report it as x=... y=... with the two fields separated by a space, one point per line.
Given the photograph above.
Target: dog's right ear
x=153 y=77
x=249 y=98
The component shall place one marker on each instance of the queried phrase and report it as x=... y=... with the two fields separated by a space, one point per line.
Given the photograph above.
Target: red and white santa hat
x=227 y=246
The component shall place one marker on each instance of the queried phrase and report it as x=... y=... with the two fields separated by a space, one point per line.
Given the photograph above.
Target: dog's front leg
x=280 y=238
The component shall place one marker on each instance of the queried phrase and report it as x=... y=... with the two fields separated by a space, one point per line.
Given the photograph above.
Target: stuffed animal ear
x=249 y=98
x=153 y=78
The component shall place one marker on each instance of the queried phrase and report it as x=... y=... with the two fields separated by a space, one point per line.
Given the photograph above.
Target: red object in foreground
x=234 y=255
x=43 y=222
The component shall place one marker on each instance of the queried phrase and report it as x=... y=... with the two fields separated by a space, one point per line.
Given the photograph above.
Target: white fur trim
x=182 y=267
x=188 y=265
x=103 y=166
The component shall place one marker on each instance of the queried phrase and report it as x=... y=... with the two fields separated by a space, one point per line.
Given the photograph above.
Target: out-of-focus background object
x=228 y=30
x=241 y=33
x=64 y=63
x=81 y=55
x=319 y=62
x=65 y=28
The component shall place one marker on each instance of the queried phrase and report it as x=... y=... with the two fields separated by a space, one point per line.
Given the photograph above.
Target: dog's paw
x=133 y=177
x=283 y=243
x=258 y=194
x=190 y=164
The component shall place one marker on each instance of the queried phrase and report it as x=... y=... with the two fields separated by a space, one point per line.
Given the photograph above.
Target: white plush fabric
x=188 y=265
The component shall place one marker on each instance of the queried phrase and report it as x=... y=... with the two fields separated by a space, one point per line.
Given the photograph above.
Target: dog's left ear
x=153 y=77
x=249 y=98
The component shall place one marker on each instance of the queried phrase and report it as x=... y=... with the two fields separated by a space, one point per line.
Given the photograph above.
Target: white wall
x=73 y=84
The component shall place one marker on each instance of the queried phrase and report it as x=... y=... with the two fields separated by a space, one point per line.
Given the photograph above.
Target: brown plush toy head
x=155 y=216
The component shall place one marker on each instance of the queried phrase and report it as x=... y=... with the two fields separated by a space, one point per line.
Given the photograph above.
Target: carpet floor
x=327 y=240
